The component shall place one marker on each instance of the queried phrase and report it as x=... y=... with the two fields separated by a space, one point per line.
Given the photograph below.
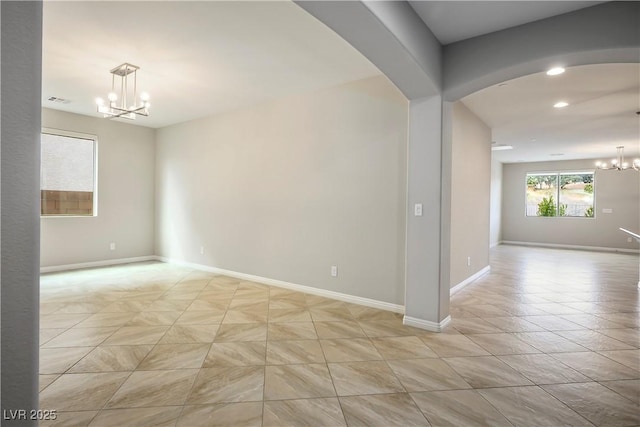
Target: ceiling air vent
x=58 y=100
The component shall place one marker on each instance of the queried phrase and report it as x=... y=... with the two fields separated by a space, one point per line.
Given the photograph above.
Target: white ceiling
x=452 y=21
x=196 y=58
x=210 y=57
x=603 y=100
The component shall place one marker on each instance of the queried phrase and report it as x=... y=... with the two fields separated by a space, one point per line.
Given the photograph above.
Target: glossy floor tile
x=382 y=410
x=458 y=408
x=303 y=412
x=597 y=403
x=535 y=342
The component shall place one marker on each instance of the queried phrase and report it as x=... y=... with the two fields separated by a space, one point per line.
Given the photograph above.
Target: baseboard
x=396 y=308
x=469 y=279
x=93 y=264
x=576 y=247
x=498 y=243
x=426 y=324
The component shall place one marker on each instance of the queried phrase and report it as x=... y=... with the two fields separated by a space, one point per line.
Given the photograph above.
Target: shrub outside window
x=67 y=174
x=567 y=194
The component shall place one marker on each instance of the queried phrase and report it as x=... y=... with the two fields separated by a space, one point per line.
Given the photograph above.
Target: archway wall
x=394 y=38
x=606 y=33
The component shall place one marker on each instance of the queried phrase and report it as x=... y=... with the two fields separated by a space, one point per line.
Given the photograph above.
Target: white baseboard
x=498 y=243
x=92 y=264
x=469 y=279
x=396 y=308
x=576 y=247
x=426 y=324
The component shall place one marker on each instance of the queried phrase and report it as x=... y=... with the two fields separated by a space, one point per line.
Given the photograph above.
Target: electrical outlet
x=468 y=261
x=201 y=250
x=112 y=246
x=334 y=270
x=417 y=209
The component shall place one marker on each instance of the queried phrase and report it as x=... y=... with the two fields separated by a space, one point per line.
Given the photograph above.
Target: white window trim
x=558 y=173
x=72 y=134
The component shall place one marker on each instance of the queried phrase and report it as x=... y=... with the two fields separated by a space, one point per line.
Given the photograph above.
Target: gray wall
x=287 y=189
x=615 y=190
x=21 y=89
x=605 y=33
x=426 y=234
x=495 y=216
x=470 y=188
x=126 y=173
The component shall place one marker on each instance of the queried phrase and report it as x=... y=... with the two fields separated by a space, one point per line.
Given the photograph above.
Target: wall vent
x=58 y=100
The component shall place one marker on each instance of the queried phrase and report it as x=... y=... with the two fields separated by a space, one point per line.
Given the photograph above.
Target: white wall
x=470 y=194
x=495 y=216
x=619 y=191
x=286 y=189
x=126 y=162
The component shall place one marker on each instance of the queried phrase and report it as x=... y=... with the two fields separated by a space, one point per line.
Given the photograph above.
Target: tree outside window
x=568 y=194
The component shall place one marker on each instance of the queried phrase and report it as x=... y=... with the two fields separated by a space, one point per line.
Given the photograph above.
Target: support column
x=20 y=207
x=427 y=264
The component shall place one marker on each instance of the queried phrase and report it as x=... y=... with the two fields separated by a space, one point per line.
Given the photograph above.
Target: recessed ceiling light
x=501 y=147
x=560 y=104
x=555 y=71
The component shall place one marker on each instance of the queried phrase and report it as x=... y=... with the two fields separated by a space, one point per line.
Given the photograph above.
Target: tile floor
x=547 y=338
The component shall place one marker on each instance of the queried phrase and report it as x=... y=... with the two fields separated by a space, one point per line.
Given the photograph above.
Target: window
x=560 y=194
x=67 y=174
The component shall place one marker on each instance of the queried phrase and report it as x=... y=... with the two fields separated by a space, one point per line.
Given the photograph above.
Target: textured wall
x=21 y=77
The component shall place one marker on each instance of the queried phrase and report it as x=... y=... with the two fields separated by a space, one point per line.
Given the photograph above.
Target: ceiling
x=196 y=58
x=203 y=58
x=601 y=115
x=452 y=21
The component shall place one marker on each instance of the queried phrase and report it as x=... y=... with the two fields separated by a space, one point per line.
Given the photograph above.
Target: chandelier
x=619 y=163
x=123 y=98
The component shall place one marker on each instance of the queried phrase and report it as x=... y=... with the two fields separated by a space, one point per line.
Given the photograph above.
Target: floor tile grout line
x=370 y=337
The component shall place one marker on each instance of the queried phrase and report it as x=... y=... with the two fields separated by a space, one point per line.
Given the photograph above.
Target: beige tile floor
x=547 y=338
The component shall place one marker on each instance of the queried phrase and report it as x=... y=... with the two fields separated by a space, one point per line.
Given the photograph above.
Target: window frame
x=77 y=135
x=558 y=174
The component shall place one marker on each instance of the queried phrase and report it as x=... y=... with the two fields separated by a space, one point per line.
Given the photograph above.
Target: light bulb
x=560 y=104
x=147 y=104
x=598 y=164
x=99 y=101
x=144 y=96
x=614 y=162
x=112 y=96
x=603 y=166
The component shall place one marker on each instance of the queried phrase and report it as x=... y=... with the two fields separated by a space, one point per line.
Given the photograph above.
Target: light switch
x=417 y=209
